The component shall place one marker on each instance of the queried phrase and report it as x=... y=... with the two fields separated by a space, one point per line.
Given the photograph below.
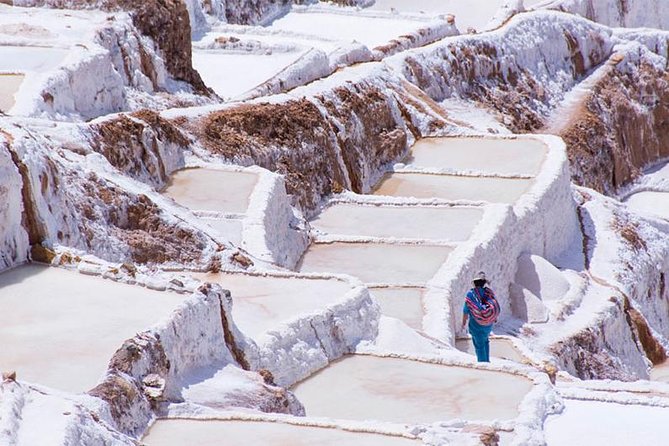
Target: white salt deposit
x=451 y=187
x=213 y=433
x=660 y=372
x=371 y=32
x=653 y=203
x=260 y=303
x=376 y=262
x=231 y=75
x=436 y=223
x=404 y=391
x=30 y=58
x=60 y=328
x=540 y=277
x=212 y=190
x=405 y=304
x=607 y=424
x=495 y=155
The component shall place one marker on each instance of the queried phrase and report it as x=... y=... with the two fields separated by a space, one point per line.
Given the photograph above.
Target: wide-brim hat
x=479 y=276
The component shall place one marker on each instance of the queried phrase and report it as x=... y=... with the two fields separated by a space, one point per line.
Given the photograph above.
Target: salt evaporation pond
x=521 y=156
x=30 y=58
x=403 y=303
x=60 y=328
x=212 y=190
x=435 y=223
x=660 y=372
x=376 y=262
x=404 y=391
x=232 y=74
x=229 y=228
x=215 y=433
x=9 y=85
x=654 y=203
x=499 y=348
x=370 y=31
x=601 y=424
x=261 y=303
x=452 y=187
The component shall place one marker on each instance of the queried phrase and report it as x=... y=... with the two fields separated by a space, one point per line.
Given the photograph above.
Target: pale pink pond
x=435 y=223
x=217 y=433
x=376 y=262
x=212 y=190
x=60 y=328
x=451 y=187
x=403 y=391
x=492 y=155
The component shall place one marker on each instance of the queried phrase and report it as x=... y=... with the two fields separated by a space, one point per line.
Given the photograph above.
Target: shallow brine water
x=435 y=223
x=212 y=190
x=450 y=187
x=403 y=391
x=376 y=262
x=262 y=303
x=217 y=433
x=60 y=328
x=492 y=155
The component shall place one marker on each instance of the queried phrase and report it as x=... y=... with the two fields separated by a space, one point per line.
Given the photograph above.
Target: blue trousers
x=481 y=340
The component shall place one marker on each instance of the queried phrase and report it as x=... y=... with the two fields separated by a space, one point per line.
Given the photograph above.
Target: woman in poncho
x=482 y=310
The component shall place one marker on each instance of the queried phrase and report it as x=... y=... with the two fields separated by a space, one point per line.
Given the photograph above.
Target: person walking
x=482 y=310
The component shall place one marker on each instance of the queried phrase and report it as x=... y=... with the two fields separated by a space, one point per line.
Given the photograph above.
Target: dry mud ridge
x=256 y=221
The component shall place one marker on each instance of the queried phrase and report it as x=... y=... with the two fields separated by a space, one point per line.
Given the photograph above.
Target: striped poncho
x=482 y=305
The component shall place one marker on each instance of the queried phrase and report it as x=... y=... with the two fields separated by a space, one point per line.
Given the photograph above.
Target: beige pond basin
x=435 y=223
x=403 y=391
x=376 y=262
x=654 y=203
x=493 y=155
x=9 y=85
x=60 y=328
x=217 y=433
x=403 y=303
x=660 y=372
x=212 y=190
x=452 y=187
x=499 y=348
x=262 y=303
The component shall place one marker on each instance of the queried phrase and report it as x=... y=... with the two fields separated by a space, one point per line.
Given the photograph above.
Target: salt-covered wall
x=522 y=70
x=271 y=231
x=615 y=13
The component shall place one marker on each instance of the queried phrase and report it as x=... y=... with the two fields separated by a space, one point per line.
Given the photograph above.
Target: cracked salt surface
x=261 y=303
x=428 y=223
x=9 y=85
x=404 y=391
x=521 y=156
x=212 y=433
x=212 y=190
x=60 y=328
x=376 y=262
x=404 y=304
x=451 y=187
